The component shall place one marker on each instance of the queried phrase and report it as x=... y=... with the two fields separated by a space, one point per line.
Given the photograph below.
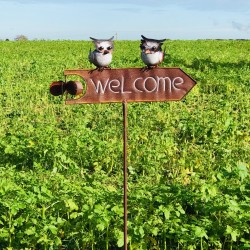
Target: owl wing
x=91 y=56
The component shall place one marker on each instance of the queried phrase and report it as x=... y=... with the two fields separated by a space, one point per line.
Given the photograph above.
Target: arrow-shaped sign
x=133 y=85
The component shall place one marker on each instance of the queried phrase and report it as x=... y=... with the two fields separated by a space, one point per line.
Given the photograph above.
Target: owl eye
x=100 y=48
x=109 y=48
x=153 y=48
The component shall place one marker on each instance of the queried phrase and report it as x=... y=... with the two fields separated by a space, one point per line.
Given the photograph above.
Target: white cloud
x=216 y=5
x=240 y=26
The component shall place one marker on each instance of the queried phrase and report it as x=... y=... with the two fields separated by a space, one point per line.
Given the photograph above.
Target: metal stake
x=125 y=181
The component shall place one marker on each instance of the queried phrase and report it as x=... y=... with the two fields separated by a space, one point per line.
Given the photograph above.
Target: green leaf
x=111 y=188
x=57 y=241
x=234 y=233
x=166 y=211
x=71 y=205
x=30 y=231
x=141 y=231
x=53 y=229
x=180 y=209
x=74 y=215
x=4 y=233
x=200 y=232
x=118 y=210
x=98 y=209
x=9 y=150
x=46 y=191
x=243 y=170
x=155 y=231
x=100 y=227
x=120 y=241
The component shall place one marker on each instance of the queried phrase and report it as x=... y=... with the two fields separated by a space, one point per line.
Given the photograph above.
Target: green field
x=61 y=166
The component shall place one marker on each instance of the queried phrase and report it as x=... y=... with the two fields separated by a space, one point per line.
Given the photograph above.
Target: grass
x=188 y=161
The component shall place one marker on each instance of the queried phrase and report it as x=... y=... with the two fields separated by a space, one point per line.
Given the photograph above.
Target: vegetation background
x=61 y=166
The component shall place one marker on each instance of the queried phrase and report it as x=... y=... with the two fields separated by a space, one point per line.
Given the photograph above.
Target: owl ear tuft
x=153 y=40
x=102 y=40
x=94 y=39
x=162 y=41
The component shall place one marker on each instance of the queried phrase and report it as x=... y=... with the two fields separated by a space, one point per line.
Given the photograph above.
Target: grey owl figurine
x=151 y=51
x=101 y=57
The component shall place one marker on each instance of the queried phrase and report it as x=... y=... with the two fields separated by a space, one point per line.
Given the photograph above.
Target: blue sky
x=126 y=19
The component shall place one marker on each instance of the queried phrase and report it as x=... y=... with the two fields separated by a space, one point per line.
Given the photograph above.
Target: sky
x=125 y=19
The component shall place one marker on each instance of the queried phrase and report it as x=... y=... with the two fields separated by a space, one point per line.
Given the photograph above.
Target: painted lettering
x=177 y=81
x=149 y=85
x=162 y=82
x=99 y=86
x=147 y=82
x=123 y=91
x=135 y=84
x=115 y=84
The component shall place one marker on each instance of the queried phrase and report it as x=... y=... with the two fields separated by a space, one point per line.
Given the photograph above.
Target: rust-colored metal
x=125 y=174
x=57 y=88
x=132 y=85
x=74 y=87
x=127 y=85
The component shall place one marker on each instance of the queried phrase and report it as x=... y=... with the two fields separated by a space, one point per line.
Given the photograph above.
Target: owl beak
x=106 y=52
x=147 y=51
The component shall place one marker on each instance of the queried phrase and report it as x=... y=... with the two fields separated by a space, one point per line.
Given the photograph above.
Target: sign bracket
x=125 y=174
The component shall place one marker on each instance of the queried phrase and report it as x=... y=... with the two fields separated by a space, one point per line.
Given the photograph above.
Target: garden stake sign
x=124 y=86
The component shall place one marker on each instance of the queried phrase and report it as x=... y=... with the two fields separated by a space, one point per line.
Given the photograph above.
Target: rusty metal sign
x=132 y=85
x=125 y=85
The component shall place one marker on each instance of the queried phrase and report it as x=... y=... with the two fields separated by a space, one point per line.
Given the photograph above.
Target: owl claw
x=92 y=70
x=149 y=67
x=100 y=69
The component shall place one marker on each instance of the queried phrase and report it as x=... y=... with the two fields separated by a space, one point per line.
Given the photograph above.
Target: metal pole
x=125 y=181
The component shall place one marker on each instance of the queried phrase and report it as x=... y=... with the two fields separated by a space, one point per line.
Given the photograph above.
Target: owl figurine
x=101 y=57
x=151 y=52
